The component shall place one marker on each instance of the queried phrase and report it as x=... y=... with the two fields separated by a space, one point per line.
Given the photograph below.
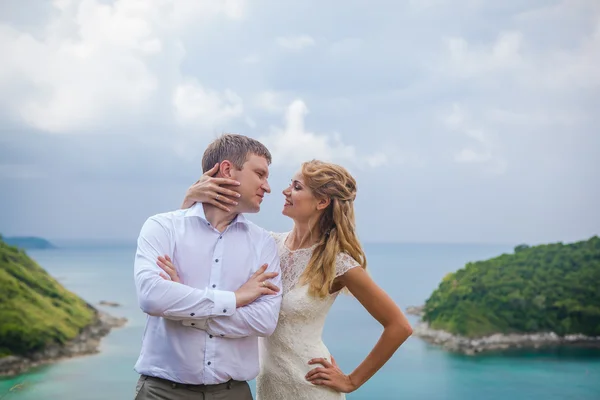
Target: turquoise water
x=408 y=272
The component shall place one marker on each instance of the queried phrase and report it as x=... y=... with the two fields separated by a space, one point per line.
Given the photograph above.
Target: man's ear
x=225 y=169
x=323 y=203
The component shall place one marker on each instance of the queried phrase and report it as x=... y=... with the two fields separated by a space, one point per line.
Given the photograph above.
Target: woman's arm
x=396 y=329
x=209 y=189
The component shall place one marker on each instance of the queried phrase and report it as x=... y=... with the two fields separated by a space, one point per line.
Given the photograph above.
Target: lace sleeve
x=344 y=263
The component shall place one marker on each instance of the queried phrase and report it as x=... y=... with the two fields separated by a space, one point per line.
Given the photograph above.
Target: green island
x=40 y=320
x=545 y=294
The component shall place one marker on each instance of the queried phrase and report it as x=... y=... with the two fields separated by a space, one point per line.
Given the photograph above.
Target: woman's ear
x=323 y=203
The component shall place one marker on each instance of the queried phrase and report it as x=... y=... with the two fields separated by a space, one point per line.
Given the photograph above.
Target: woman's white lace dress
x=285 y=354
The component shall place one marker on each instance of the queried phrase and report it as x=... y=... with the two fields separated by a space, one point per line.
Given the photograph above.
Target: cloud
x=295 y=43
x=198 y=106
x=522 y=84
x=463 y=101
x=481 y=149
x=511 y=57
x=271 y=101
x=95 y=61
x=294 y=144
x=466 y=60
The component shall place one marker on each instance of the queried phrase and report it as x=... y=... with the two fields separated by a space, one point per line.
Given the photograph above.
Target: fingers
x=162 y=263
x=166 y=261
x=271 y=286
x=259 y=271
x=226 y=181
x=219 y=181
x=319 y=376
x=219 y=205
x=333 y=361
x=267 y=275
x=168 y=267
x=223 y=197
x=313 y=372
x=212 y=171
x=321 y=361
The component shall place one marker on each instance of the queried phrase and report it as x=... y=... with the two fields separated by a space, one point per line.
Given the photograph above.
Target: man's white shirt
x=194 y=334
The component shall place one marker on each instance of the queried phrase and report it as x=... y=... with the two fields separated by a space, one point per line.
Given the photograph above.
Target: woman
x=320 y=256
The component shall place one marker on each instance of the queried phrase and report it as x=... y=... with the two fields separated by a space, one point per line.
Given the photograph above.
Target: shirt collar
x=197 y=210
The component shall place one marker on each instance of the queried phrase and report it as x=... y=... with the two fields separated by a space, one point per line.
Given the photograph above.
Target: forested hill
x=545 y=288
x=35 y=310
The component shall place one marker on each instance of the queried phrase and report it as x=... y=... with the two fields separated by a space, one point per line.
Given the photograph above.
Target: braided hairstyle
x=336 y=224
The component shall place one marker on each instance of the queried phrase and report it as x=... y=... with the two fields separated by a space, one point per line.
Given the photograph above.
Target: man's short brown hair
x=234 y=148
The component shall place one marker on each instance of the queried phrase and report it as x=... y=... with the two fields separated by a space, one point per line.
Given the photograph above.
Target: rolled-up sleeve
x=260 y=317
x=164 y=298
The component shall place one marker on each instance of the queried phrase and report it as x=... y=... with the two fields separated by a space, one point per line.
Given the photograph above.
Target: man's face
x=253 y=183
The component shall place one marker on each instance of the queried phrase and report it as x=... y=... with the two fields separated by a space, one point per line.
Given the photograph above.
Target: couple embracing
x=228 y=301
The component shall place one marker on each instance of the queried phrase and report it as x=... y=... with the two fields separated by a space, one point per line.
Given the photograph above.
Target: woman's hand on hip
x=330 y=375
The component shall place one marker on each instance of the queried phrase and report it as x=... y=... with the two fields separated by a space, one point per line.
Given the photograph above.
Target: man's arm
x=164 y=298
x=258 y=318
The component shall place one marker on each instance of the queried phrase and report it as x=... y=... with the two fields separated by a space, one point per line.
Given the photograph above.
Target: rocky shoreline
x=498 y=341
x=87 y=342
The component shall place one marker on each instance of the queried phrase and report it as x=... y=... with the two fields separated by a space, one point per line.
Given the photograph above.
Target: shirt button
x=225 y=310
x=214 y=286
x=217 y=260
x=192 y=314
x=193 y=324
x=222 y=335
x=210 y=336
x=209 y=363
x=220 y=237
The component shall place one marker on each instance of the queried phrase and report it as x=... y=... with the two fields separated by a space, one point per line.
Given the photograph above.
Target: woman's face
x=300 y=203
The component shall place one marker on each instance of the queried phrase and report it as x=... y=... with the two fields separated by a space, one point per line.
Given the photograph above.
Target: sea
x=407 y=272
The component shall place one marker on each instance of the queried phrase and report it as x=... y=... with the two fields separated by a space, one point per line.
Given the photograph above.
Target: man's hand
x=255 y=287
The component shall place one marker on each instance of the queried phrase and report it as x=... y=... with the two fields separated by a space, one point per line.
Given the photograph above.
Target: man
x=201 y=333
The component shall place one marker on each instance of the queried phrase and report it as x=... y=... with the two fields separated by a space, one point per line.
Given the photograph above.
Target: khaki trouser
x=150 y=388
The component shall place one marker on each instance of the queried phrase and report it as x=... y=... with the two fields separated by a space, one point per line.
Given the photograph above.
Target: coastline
x=87 y=342
x=498 y=341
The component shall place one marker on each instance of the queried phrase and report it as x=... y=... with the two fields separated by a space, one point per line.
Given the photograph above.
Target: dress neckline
x=285 y=246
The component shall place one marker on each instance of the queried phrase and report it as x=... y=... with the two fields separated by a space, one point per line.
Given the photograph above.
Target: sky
x=462 y=121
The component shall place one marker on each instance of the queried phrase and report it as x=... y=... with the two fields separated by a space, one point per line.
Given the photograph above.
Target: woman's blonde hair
x=336 y=224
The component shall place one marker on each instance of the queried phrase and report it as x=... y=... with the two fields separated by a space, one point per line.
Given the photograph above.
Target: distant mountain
x=29 y=242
